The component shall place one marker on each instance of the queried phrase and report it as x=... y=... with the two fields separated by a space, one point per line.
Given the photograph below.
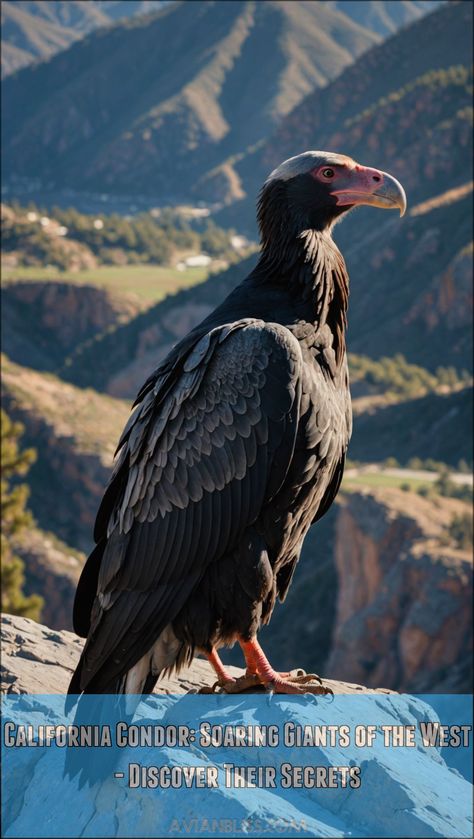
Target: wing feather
x=204 y=451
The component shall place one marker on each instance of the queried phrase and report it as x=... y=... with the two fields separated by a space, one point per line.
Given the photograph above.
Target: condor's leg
x=223 y=676
x=296 y=682
x=226 y=682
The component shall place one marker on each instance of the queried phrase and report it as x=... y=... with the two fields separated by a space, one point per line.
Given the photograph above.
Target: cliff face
x=45 y=321
x=52 y=569
x=404 y=603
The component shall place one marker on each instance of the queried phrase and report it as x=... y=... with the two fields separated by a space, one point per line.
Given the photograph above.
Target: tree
x=461 y=530
x=15 y=517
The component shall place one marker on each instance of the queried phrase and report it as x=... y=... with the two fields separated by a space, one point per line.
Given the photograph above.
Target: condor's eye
x=328 y=173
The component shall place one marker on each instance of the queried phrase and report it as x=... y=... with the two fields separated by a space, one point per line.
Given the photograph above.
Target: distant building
x=201 y=260
x=239 y=242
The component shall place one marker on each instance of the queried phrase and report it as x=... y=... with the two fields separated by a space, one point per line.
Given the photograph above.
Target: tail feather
x=86 y=591
x=98 y=709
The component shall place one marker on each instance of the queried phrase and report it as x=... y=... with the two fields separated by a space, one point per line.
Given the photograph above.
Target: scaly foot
x=295 y=682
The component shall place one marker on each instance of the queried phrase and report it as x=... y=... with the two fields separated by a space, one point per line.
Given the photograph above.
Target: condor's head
x=313 y=190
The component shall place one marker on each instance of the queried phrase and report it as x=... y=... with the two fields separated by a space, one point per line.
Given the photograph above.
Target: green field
x=380 y=479
x=149 y=282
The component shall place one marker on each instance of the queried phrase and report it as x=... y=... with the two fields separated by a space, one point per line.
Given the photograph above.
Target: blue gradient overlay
x=284 y=786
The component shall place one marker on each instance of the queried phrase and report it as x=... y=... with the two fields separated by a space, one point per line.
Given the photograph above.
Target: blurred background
x=136 y=136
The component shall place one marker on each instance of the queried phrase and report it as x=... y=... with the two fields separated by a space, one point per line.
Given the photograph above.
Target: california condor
x=235 y=448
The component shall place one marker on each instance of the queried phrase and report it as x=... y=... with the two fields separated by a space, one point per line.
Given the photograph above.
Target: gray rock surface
x=404 y=793
x=36 y=659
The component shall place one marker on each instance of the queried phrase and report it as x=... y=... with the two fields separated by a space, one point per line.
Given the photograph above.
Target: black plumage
x=235 y=447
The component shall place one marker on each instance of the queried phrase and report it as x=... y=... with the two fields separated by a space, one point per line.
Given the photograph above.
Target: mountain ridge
x=350 y=112
x=189 y=115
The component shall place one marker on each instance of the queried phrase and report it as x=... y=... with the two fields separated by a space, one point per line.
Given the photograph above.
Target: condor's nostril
x=376 y=178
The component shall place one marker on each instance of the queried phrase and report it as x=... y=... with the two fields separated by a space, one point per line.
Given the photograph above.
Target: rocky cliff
x=381 y=595
x=395 y=798
x=404 y=601
x=43 y=322
x=52 y=568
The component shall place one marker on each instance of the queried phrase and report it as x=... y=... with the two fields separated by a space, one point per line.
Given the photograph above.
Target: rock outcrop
x=404 y=611
x=44 y=322
x=414 y=794
x=37 y=659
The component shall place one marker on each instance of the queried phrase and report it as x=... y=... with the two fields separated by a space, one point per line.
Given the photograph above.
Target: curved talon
x=300 y=685
x=309 y=684
x=304 y=678
x=242 y=684
x=218 y=687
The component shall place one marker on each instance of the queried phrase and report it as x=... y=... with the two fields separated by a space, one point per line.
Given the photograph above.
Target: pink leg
x=257 y=663
x=253 y=657
x=223 y=677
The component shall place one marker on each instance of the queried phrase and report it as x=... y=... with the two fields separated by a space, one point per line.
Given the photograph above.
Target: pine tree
x=15 y=517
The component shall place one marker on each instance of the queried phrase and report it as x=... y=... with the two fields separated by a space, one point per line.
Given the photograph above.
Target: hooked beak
x=374 y=188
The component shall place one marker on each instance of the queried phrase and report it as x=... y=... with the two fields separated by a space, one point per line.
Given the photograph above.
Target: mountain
x=32 y=30
x=35 y=29
x=154 y=103
x=402 y=107
x=383 y=18
x=26 y=36
x=411 y=282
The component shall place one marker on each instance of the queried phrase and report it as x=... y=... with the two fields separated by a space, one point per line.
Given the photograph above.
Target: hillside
x=26 y=36
x=69 y=123
x=69 y=241
x=75 y=433
x=434 y=426
x=411 y=283
x=427 y=319
x=33 y=29
x=118 y=363
x=383 y=18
